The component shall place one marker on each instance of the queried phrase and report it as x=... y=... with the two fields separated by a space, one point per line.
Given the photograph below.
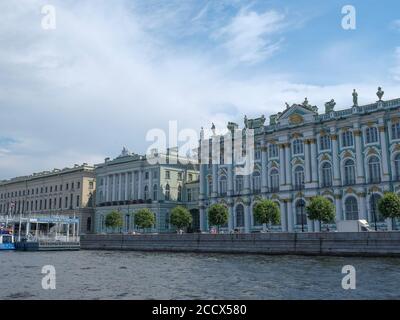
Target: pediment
x=297 y=114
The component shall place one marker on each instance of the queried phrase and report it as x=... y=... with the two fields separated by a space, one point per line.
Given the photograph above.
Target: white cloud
x=105 y=77
x=249 y=37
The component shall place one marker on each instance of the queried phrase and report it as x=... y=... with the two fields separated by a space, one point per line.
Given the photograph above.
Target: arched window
x=349 y=172
x=167 y=192
x=371 y=135
x=239 y=216
x=299 y=178
x=179 y=193
x=298 y=147
x=347 y=139
x=256 y=182
x=375 y=214
x=301 y=218
x=374 y=169
x=351 y=208
x=274 y=177
x=146 y=192
x=326 y=171
x=238 y=184
x=397 y=167
x=222 y=185
x=155 y=193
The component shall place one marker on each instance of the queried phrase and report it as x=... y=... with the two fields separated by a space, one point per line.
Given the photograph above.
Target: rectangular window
x=167 y=175
x=371 y=135
x=273 y=151
x=90 y=184
x=77 y=201
x=325 y=142
x=347 y=139
x=179 y=176
x=78 y=185
x=396 y=131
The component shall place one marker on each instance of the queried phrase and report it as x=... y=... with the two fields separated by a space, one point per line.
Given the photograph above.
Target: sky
x=110 y=71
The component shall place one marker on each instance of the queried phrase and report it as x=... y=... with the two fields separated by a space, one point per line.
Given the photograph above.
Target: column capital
x=381 y=128
x=357 y=132
x=334 y=136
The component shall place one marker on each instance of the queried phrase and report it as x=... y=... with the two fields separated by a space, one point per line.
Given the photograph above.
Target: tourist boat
x=6 y=240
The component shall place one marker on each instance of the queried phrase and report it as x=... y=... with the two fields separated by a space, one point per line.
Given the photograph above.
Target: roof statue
x=355 y=98
x=201 y=133
x=213 y=128
x=380 y=93
x=330 y=106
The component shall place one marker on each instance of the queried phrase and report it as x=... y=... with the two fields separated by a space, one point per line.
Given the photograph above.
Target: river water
x=149 y=275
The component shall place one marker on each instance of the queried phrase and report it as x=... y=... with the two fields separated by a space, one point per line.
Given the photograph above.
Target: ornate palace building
x=131 y=182
x=349 y=156
x=67 y=192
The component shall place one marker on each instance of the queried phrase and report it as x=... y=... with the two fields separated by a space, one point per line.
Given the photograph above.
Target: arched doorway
x=239 y=216
x=351 y=208
x=301 y=219
x=195 y=226
x=375 y=214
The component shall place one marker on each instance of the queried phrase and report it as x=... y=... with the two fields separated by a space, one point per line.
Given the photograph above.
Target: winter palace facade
x=351 y=157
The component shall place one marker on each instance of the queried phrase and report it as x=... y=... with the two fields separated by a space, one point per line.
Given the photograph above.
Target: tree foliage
x=217 y=215
x=321 y=209
x=266 y=211
x=144 y=218
x=114 y=219
x=180 y=217
x=389 y=205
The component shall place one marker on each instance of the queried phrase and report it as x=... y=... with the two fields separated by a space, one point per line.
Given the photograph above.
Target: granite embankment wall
x=332 y=243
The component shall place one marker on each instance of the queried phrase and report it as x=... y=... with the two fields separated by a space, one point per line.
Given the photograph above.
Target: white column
x=363 y=207
x=108 y=188
x=231 y=217
x=282 y=164
x=126 y=186
x=359 y=157
x=230 y=180
x=283 y=216
x=247 y=214
x=307 y=173
x=264 y=170
x=202 y=213
x=214 y=180
x=119 y=186
x=203 y=169
x=335 y=160
x=289 y=215
x=314 y=162
x=104 y=191
x=133 y=191
x=140 y=187
x=288 y=165
x=151 y=186
x=338 y=207
x=113 y=188
x=385 y=162
x=246 y=179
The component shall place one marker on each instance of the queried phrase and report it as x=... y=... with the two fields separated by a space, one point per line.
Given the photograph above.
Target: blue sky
x=113 y=70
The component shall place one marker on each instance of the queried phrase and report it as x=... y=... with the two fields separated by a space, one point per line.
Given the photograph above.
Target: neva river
x=138 y=275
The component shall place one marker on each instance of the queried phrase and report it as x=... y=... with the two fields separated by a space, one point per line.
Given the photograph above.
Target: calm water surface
x=140 y=275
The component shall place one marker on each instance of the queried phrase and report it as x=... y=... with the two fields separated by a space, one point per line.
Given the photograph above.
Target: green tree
x=114 y=220
x=266 y=212
x=389 y=206
x=321 y=209
x=144 y=218
x=217 y=215
x=180 y=217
